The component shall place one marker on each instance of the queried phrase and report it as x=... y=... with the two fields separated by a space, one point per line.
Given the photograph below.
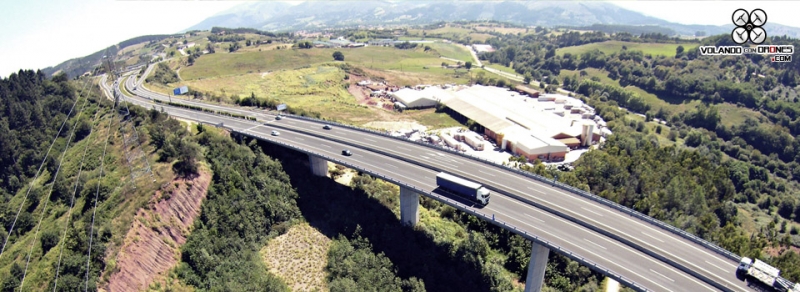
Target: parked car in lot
x=346 y=152
x=276 y=133
x=327 y=127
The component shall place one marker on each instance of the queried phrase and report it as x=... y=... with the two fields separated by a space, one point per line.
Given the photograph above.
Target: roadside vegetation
x=706 y=144
x=735 y=117
x=37 y=107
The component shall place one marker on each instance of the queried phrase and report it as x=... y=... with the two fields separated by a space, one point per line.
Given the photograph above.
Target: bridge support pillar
x=409 y=206
x=536 y=268
x=319 y=166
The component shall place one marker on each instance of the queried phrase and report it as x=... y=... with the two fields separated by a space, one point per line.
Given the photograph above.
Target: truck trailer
x=768 y=276
x=471 y=190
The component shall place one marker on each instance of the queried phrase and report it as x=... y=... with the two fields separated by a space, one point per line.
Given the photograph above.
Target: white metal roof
x=428 y=96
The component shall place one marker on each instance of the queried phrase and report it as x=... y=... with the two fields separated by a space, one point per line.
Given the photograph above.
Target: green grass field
x=730 y=113
x=481 y=37
x=403 y=67
x=502 y=68
x=224 y=64
x=319 y=88
x=609 y=47
x=452 y=51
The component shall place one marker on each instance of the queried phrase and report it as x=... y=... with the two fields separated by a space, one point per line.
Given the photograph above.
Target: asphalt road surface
x=576 y=223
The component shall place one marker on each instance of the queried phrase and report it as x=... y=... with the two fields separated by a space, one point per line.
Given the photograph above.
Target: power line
x=25 y=199
x=47 y=199
x=94 y=210
x=72 y=204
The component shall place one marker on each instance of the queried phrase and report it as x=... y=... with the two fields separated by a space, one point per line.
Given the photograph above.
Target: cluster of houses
x=342 y=42
x=339 y=42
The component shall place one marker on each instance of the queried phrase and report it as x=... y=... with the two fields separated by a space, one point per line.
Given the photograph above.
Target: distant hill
x=278 y=16
x=78 y=66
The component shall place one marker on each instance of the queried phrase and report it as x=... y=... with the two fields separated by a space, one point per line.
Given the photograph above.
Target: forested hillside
x=33 y=109
x=716 y=174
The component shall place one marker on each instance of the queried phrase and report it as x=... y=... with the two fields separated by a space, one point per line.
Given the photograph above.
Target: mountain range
x=282 y=16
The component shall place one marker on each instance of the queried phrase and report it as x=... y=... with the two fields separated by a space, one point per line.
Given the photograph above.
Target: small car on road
x=346 y=152
x=276 y=133
x=278 y=117
x=327 y=127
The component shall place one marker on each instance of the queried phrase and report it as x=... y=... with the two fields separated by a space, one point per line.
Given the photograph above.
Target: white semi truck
x=766 y=275
x=471 y=190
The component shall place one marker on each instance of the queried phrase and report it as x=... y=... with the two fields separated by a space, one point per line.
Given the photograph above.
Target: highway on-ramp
x=582 y=225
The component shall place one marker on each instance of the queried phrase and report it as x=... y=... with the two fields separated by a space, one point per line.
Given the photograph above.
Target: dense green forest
x=749 y=82
x=33 y=108
x=249 y=201
x=447 y=251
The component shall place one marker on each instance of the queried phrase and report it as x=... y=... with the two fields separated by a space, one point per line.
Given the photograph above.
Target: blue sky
x=38 y=33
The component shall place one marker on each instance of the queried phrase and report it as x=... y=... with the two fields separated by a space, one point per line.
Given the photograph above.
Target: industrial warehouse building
x=543 y=128
x=425 y=98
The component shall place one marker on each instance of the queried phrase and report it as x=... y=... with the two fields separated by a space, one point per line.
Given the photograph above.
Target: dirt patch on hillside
x=776 y=251
x=299 y=258
x=152 y=244
x=396 y=125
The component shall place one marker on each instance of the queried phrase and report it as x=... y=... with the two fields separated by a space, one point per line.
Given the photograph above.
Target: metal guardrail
x=552 y=246
x=500 y=223
x=563 y=186
x=585 y=194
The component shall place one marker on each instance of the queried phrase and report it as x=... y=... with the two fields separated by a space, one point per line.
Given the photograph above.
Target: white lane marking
x=718 y=267
x=326 y=145
x=290 y=122
x=646 y=225
x=368 y=139
x=593 y=212
x=423 y=157
x=653 y=237
x=531 y=216
x=401 y=147
x=389 y=171
x=657 y=273
x=592 y=242
x=596 y=221
x=617 y=244
x=481 y=171
x=389 y=165
x=298 y=138
x=597 y=255
x=535 y=190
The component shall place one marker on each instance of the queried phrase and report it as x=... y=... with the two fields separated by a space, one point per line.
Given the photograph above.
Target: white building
x=428 y=97
x=535 y=128
x=482 y=48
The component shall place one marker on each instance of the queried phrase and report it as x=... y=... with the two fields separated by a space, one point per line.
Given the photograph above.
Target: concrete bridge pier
x=319 y=166
x=536 y=268
x=409 y=206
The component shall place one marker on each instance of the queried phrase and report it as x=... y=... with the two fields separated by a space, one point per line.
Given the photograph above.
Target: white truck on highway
x=471 y=190
x=766 y=275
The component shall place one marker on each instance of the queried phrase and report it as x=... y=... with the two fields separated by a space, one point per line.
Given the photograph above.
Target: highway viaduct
x=646 y=265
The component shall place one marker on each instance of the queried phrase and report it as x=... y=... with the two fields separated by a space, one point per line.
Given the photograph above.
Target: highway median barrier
x=466 y=209
x=585 y=194
x=563 y=186
x=610 y=234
